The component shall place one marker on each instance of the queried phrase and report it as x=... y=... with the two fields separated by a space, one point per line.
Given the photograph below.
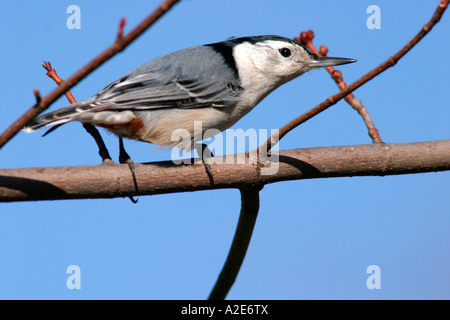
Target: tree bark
x=115 y=180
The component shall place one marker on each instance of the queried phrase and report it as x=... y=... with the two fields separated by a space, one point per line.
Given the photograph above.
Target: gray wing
x=196 y=77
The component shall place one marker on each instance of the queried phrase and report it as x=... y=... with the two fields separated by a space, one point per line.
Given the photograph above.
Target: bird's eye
x=285 y=52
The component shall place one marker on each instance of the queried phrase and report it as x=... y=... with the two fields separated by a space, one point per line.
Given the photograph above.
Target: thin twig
x=306 y=38
x=241 y=240
x=358 y=83
x=122 y=24
x=54 y=76
x=112 y=50
x=37 y=94
x=90 y=128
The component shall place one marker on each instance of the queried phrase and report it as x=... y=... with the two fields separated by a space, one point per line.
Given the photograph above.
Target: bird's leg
x=201 y=148
x=125 y=158
x=102 y=151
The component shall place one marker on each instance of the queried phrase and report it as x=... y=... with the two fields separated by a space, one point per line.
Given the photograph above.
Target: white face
x=277 y=61
x=264 y=66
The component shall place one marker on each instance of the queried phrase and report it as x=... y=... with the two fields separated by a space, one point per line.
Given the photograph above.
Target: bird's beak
x=329 y=61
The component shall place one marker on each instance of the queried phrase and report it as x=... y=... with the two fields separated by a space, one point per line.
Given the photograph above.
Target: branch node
x=47 y=66
x=306 y=37
x=373 y=133
x=337 y=75
x=52 y=73
x=323 y=50
x=331 y=100
x=38 y=96
x=392 y=61
x=122 y=23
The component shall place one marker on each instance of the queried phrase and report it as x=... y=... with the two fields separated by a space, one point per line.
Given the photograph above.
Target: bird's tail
x=55 y=118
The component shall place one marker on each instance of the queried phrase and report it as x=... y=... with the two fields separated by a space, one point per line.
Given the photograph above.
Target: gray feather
x=195 y=77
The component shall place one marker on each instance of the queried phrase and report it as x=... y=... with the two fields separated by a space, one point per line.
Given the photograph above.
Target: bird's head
x=276 y=58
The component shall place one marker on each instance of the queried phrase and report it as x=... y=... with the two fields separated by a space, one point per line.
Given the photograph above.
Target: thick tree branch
x=114 y=180
x=121 y=43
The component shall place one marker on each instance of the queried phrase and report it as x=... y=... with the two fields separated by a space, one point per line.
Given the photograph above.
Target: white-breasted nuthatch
x=216 y=84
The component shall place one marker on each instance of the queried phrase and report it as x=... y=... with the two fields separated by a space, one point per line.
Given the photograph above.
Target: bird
x=216 y=84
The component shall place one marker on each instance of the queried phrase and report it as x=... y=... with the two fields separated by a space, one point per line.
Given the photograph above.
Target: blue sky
x=313 y=239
